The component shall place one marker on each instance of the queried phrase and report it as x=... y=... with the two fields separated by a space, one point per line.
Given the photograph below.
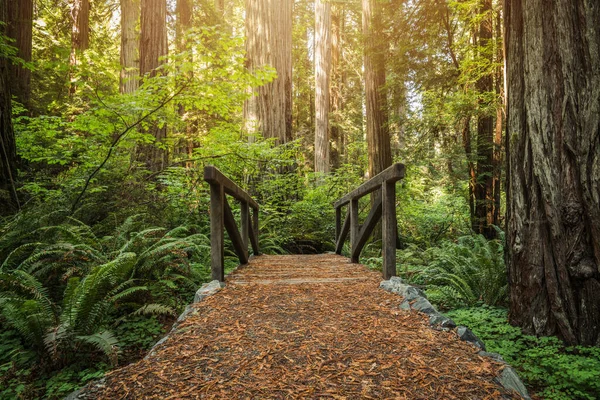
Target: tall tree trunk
x=184 y=10
x=153 y=47
x=80 y=34
x=130 y=17
x=484 y=189
x=20 y=28
x=8 y=152
x=269 y=42
x=336 y=86
x=553 y=150
x=378 y=135
x=322 y=79
x=466 y=140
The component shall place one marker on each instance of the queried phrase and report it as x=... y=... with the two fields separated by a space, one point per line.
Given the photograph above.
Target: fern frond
x=154 y=309
x=104 y=341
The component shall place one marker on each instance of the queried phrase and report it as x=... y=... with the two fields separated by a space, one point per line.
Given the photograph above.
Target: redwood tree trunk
x=130 y=17
x=20 y=28
x=269 y=42
x=322 y=79
x=153 y=47
x=336 y=86
x=378 y=136
x=553 y=142
x=484 y=188
x=8 y=153
x=80 y=28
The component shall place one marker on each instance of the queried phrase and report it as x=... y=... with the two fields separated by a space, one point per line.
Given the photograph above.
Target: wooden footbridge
x=305 y=326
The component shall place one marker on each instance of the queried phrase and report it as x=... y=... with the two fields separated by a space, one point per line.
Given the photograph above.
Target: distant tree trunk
x=269 y=42
x=130 y=17
x=220 y=7
x=484 y=189
x=378 y=135
x=553 y=150
x=322 y=80
x=153 y=46
x=184 y=10
x=20 y=28
x=466 y=140
x=8 y=152
x=336 y=87
x=80 y=34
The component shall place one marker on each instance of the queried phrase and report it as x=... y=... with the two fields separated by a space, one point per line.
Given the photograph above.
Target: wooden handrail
x=221 y=217
x=384 y=208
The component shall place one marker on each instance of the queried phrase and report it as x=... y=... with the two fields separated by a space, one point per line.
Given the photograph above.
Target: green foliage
x=554 y=370
x=461 y=273
x=86 y=279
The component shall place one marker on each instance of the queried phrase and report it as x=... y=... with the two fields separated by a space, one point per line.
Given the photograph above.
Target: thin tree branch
x=116 y=141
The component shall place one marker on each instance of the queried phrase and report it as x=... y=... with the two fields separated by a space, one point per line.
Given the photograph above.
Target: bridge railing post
x=222 y=219
x=384 y=208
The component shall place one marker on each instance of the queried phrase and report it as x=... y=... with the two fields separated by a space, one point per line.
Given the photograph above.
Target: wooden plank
x=216 y=232
x=367 y=229
x=354 y=227
x=338 y=222
x=234 y=234
x=339 y=244
x=245 y=222
x=389 y=229
x=391 y=174
x=213 y=176
x=254 y=232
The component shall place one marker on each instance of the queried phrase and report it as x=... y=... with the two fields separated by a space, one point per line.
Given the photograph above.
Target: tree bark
x=484 y=189
x=378 y=136
x=8 y=151
x=336 y=87
x=322 y=79
x=80 y=28
x=269 y=42
x=153 y=47
x=553 y=150
x=184 y=10
x=20 y=28
x=130 y=16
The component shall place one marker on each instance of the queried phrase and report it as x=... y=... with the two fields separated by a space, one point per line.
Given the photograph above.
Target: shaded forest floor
x=306 y=327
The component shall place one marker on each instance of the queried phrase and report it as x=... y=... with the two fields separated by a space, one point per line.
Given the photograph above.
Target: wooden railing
x=222 y=217
x=384 y=207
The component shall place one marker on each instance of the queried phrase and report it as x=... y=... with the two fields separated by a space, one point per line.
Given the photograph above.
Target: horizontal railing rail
x=383 y=207
x=221 y=217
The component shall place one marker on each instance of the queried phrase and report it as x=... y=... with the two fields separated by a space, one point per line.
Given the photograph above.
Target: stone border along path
x=415 y=299
x=311 y=327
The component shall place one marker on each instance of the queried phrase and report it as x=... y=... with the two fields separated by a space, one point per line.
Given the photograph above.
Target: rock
x=468 y=336
x=493 y=356
x=437 y=319
x=423 y=305
x=208 y=289
x=405 y=305
x=396 y=279
x=509 y=380
x=188 y=310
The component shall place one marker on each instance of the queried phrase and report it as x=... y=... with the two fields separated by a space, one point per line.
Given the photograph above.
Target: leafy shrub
x=556 y=371
x=461 y=273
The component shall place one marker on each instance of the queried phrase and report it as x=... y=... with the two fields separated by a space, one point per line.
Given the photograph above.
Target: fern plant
x=463 y=273
x=62 y=287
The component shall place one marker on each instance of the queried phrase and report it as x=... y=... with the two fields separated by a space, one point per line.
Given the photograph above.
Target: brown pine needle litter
x=306 y=327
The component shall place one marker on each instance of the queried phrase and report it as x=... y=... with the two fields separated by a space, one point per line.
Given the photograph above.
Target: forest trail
x=305 y=326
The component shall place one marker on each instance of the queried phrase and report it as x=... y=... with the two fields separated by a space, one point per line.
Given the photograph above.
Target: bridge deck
x=306 y=327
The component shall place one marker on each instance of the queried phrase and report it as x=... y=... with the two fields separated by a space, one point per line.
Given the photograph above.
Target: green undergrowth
x=551 y=369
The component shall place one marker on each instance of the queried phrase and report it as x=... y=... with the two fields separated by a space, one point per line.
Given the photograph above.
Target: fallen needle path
x=306 y=327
